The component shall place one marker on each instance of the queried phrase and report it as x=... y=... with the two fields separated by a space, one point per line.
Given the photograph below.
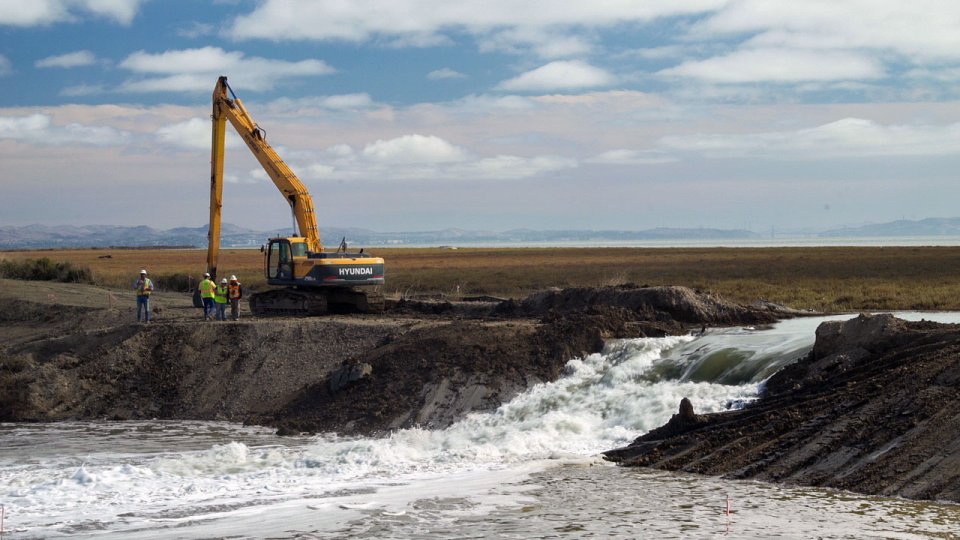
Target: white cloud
x=29 y=13
x=559 y=75
x=916 y=30
x=659 y=53
x=122 y=11
x=951 y=74
x=195 y=30
x=340 y=151
x=319 y=171
x=624 y=156
x=414 y=149
x=848 y=137
x=346 y=102
x=430 y=164
x=194 y=134
x=5 y=67
x=419 y=157
x=780 y=66
x=190 y=70
x=68 y=60
x=427 y=20
x=445 y=73
x=505 y=167
x=39 y=129
x=715 y=41
x=83 y=90
x=311 y=104
x=542 y=42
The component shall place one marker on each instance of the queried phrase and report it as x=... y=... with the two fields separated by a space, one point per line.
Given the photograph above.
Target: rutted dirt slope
x=874 y=408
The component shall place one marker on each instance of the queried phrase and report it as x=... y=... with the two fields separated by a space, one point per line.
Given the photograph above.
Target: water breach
x=143 y=477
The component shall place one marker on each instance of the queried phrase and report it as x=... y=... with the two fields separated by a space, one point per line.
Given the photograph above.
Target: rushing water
x=529 y=469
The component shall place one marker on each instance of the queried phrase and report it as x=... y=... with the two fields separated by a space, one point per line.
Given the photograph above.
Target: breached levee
x=179 y=370
x=425 y=365
x=874 y=408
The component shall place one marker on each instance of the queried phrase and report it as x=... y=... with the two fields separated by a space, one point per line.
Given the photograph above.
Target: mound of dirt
x=873 y=408
x=665 y=304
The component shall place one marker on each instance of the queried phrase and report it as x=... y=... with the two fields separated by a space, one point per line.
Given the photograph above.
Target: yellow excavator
x=313 y=281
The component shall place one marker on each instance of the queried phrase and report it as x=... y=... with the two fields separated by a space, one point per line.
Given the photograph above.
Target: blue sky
x=421 y=114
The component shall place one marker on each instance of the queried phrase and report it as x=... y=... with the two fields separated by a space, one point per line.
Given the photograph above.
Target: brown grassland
x=818 y=278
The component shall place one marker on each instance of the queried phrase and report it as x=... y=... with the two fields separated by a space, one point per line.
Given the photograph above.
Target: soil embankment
x=874 y=408
x=72 y=352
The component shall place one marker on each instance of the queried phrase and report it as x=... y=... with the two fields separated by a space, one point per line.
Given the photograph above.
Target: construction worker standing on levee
x=234 y=293
x=143 y=287
x=207 y=289
x=220 y=297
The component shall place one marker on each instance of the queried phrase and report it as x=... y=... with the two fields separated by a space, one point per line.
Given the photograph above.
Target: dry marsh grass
x=820 y=278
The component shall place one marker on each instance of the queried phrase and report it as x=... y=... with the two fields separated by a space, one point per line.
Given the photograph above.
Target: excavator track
x=293 y=302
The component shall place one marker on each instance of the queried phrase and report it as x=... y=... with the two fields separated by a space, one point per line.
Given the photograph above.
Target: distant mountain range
x=903 y=227
x=45 y=236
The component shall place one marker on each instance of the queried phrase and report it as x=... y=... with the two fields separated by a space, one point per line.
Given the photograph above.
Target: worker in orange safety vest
x=234 y=294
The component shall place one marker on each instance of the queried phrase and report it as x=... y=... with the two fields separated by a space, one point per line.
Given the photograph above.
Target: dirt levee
x=671 y=304
x=175 y=370
x=875 y=408
x=74 y=352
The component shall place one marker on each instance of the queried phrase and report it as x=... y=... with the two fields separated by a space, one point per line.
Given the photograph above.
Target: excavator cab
x=279 y=258
x=288 y=261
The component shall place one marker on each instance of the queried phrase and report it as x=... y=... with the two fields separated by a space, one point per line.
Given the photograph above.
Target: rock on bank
x=874 y=408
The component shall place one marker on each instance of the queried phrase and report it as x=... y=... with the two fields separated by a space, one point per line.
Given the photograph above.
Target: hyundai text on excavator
x=314 y=281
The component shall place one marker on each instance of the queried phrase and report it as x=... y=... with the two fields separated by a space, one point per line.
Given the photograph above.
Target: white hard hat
x=224 y=280
x=233 y=278
x=206 y=274
x=143 y=271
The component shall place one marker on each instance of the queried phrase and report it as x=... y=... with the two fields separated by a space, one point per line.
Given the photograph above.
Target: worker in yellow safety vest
x=207 y=289
x=143 y=287
x=220 y=297
x=234 y=294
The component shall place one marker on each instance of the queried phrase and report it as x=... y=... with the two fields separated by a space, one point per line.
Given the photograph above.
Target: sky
x=414 y=115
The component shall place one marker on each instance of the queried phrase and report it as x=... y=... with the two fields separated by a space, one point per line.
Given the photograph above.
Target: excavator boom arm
x=226 y=106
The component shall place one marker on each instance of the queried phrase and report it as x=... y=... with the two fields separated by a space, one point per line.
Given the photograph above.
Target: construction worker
x=220 y=297
x=144 y=287
x=234 y=294
x=207 y=289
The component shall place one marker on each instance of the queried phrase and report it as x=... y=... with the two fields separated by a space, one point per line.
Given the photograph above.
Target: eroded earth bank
x=874 y=408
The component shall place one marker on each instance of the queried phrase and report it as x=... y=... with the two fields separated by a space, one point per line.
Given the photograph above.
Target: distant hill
x=903 y=227
x=44 y=236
